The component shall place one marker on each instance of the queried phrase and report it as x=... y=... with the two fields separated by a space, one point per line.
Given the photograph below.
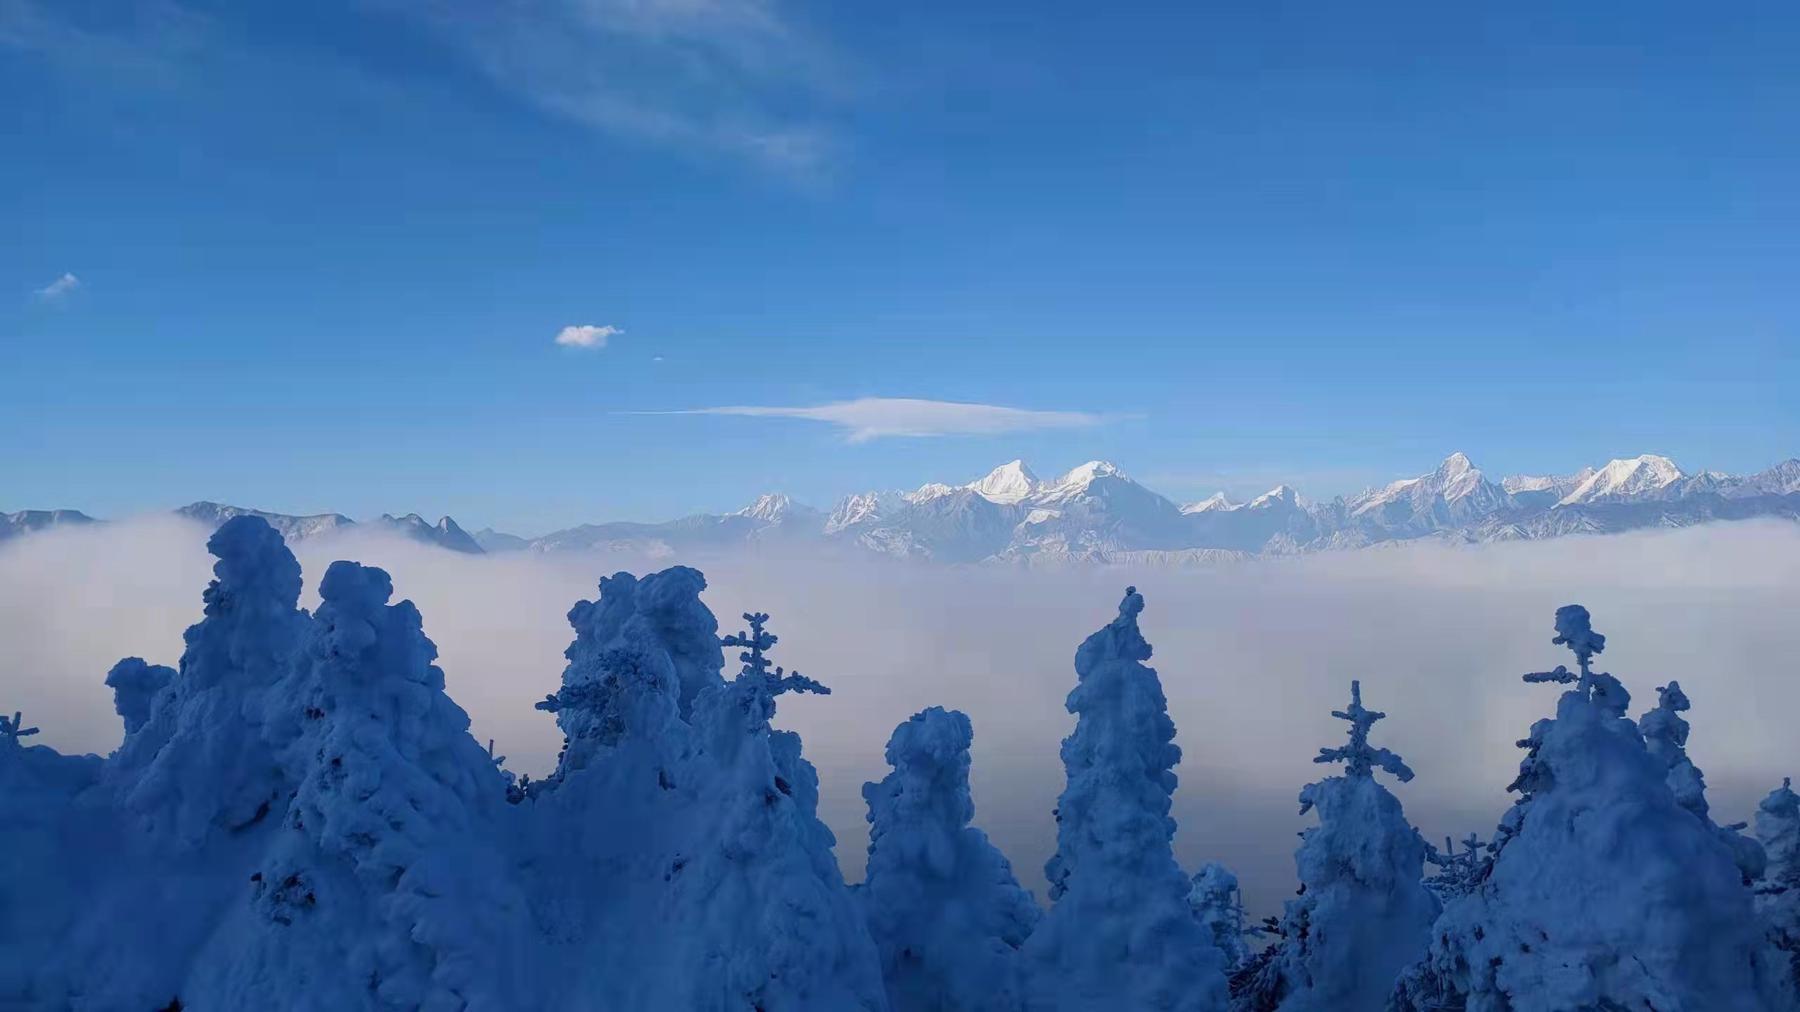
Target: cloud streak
x=869 y=418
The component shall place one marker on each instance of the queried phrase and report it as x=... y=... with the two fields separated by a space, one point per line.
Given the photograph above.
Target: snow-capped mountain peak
x=862 y=508
x=1094 y=512
x=1782 y=479
x=1279 y=495
x=1216 y=501
x=929 y=491
x=1453 y=481
x=1011 y=482
x=1375 y=499
x=1627 y=477
x=769 y=508
x=1086 y=473
x=1531 y=482
x=1561 y=484
x=446 y=533
x=1456 y=478
x=1076 y=482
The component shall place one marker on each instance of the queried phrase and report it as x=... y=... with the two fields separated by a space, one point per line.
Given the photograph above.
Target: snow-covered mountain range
x=445 y=533
x=1095 y=513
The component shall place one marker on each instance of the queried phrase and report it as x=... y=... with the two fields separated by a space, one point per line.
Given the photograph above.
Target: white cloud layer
x=876 y=417
x=1252 y=658
x=60 y=288
x=586 y=335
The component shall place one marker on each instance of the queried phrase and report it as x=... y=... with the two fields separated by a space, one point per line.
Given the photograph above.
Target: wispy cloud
x=60 y=288
x=586 y=335
x=737 y=76
x=744 y=78
x=877 y=417
x=148 y=40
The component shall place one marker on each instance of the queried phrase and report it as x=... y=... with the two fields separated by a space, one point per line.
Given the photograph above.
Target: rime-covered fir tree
x=627 y=761
x=765 y=920
x=1363 y=914
x=47 y=876
x=674 y=858
x=943 y=906
x=1604 y=893
x=1460 y=867
x=189 y=799
x=659 y=615
x=136 y=685
x=1120 y=934
x=385 y=888
x=195 y=765
x=637 y=650
x=1665 y=734
x=1778 y=895
x=1214 y=898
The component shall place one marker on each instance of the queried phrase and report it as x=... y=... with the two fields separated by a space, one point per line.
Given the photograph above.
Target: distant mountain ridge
x=1095 y=513
x=444 y=534
x=28 y=521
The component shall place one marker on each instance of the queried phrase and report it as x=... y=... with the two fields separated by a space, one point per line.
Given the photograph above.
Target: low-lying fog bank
x=1252 y=656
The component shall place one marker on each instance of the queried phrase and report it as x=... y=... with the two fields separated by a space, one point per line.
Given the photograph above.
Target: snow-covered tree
x=1604 y=892
x=1665 y=734
x=756 y=910
x=943 y=906
x=1459 y=872
x=1214 y=898
x=50 y=847
x=13 y=729
x=1363 y=913
x=1121 y=934
x=385 y=888
x=197 y=765
x=1778 y=895
x=135 y=685
x=187 y=804
x=642 y=652
x=660 y=615
x=605 y=836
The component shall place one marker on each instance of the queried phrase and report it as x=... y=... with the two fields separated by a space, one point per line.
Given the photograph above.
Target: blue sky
x=318 y=256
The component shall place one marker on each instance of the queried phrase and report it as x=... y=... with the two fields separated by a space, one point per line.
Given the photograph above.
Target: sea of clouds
x=1252 y=656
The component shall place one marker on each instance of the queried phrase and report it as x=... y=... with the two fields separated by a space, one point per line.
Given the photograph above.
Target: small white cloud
x=586 y=336
x=59 y=288
x=875 y=417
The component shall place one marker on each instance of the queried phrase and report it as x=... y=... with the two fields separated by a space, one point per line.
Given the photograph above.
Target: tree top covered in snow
x=1360 y=759
x=756 y=644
